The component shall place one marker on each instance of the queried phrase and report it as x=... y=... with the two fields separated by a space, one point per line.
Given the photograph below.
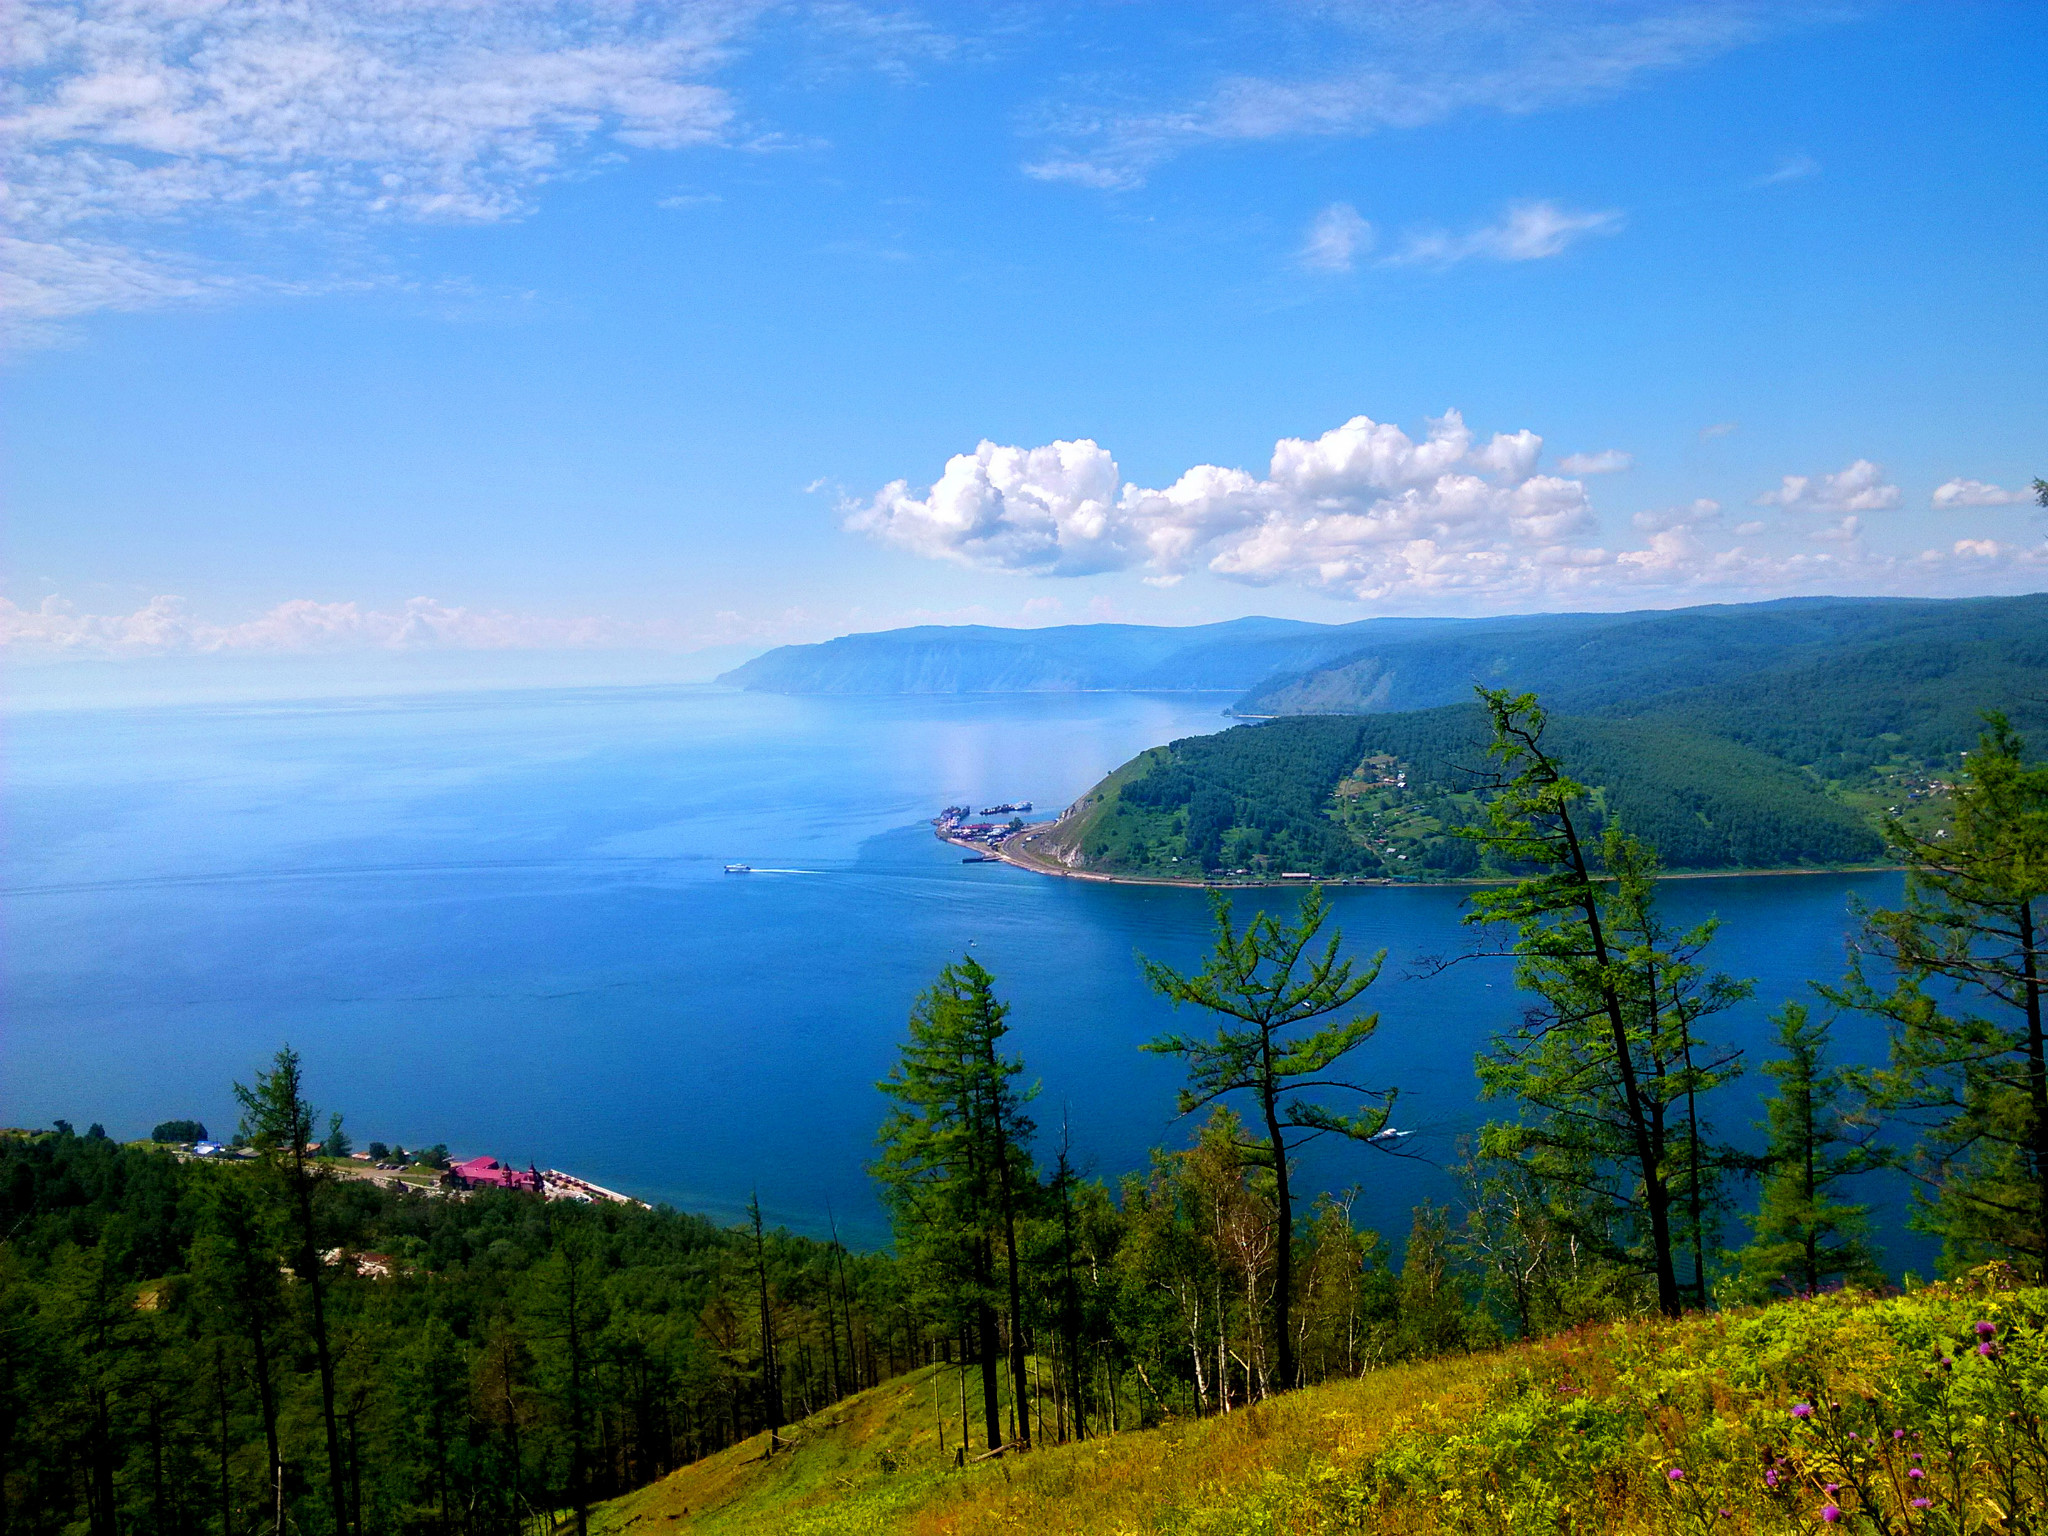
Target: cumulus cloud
x=166 y=625
x=1977 y=493
x=1336 y=239
x=1703 y=513
x=1608 y=461
x=1368 y=512
x=1362 y=509
x=1390 y=67
x=1861 y=487
x=1524 y=232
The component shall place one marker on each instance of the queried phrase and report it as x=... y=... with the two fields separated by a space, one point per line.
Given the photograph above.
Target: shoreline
x=1040 y=866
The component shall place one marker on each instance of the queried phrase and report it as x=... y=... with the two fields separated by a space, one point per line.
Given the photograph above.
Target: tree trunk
x=2037 y=1075
x=1656 y=1197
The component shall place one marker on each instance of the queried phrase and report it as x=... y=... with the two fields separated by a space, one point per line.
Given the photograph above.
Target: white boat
x=739 y=869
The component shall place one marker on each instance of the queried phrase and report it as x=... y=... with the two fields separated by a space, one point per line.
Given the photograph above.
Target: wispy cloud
x=1336 y=239
x=1609 y=461
x=1791 y=168
x=1524 y=232
x=132 y=127
x=1719 y=429
x=166 y=625
x=1405 y=66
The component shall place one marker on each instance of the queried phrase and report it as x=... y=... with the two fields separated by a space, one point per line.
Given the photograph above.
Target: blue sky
x=405 y=326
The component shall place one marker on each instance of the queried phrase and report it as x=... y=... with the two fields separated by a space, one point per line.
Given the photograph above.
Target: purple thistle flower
x=1831 y=1488
x=1915 y=1472
x=1676 y=1474
x=1898 y=1434
x=1802 y=1410
x=1987 y=1349
x=1923 y=1503
x=1771 y=1477
x=1986 y=1330
x=1830 y=1513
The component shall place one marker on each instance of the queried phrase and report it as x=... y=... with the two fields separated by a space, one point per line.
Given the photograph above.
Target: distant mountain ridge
x=1291 y=666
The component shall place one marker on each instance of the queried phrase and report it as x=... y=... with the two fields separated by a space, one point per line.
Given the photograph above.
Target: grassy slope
x=1577 y=1433
x=834 y=1481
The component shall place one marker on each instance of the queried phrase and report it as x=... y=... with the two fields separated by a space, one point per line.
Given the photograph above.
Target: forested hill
x=1725 y=751
x=1614 y=660
x=1285 y=666
x=1368 y=796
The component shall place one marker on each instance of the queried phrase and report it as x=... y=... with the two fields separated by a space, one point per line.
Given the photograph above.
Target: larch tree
x=278 y=1123
x=955 y=1168
x=1959 y=973
x=1267 y=985
x=1805 y=1234
x=1607 y=1069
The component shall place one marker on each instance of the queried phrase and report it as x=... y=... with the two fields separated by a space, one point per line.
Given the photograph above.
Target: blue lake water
x=501 y=921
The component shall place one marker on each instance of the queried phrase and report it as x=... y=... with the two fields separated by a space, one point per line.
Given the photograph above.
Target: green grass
x=1575 y=1434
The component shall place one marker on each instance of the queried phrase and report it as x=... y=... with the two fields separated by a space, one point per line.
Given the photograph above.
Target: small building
x=489 y=1173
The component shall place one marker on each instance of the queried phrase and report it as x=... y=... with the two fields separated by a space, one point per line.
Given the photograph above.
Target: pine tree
x=1805 y=1235
x=1969 y=1058
x=1265 y=985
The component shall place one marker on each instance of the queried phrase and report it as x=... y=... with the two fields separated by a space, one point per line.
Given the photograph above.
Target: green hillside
x=1629 y=1429
x=1605 y=661
x=1791 y=762
x=1375 y=796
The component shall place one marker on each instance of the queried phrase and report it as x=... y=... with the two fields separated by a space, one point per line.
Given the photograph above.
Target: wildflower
x=1830 y=1513
x=1853 y=1435
x=1923 y=1503
x=1831 y=1489
x=1987 y=1349
x=1915 y=1472
x=1802 y=1410
x=1987 y=1330
x=1898 y=1434
x=1676 y=1474
x=1771 y=1477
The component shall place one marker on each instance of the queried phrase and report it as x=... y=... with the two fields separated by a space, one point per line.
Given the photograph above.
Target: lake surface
x=501 y=921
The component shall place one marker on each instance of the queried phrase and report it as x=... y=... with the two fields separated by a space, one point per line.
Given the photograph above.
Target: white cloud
x=1977 y=493
x=1524 y=232
x=1405 y=66
x=1336 y=239
x=1703 y=513
x=1861 y=487
x=1719 y=429
x=1791 y=168
x=1608 y=461
x=1369 y=513
x=164 y=625
x=127 y=123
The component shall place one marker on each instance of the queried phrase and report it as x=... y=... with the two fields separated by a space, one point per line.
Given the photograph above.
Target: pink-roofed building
x=486 y=1172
